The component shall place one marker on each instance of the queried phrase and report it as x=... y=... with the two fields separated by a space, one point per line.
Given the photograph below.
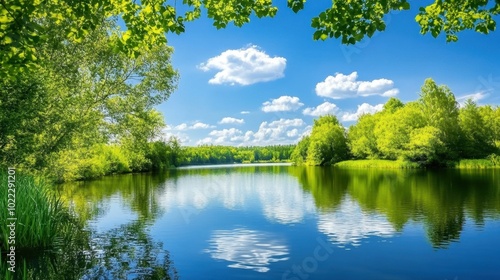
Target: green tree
x=491 y=118
x=424 y=146
x=440 y=110
x=22 y=25
x=393 y=130
x=362 y=139
x=328 y=143
x=393 y=104
x=477 y=136
x=299 y=154
x=84 y=93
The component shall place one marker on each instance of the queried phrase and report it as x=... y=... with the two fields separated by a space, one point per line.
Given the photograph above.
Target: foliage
x=22 y=27
x=83 y=96
x=440 y=110
x=105 y=159
x=432 y=131
x=377 y=163
x=210 y=154
x=491 y=161
x=393 y=130
x=326 y=145
x=424 y=146
x=478 y=139
x=362 y=139
x=299 y=154
x=42 y=219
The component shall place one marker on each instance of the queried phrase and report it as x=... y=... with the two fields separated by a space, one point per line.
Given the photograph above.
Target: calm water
x=285 y=222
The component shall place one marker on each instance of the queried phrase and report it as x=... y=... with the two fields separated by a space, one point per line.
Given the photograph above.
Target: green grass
x=476 y=164
x=42 y=219
x=377 y=163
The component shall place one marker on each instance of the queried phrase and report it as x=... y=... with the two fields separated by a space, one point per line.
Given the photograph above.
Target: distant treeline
x=210 y=154
x=431 y=131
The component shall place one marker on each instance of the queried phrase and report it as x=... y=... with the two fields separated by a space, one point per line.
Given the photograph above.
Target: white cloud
x=245 y=66
x=364 y=108
x=182 y=126
x=244 y=112
x=229 y=120
x=281 y=104
x=322 y=109
x=225 y=135
x=307 y=131
x=200 y=125
x=282 y=131
x=183 y=138
x=185 y=126
x=292 y=133
x=205 y=141
x=474 y=97
x=275 y=131
x=345 y=86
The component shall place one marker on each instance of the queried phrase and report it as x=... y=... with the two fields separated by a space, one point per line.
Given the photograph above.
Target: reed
x=378 y=163
x=42 y=219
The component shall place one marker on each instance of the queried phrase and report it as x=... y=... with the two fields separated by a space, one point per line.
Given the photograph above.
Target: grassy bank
x=41 y=218
x=377 y=163
x=492 y=161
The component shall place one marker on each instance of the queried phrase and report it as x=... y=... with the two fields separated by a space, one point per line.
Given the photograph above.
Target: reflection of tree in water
x=443 y=229
x=90 y=199
x=128 y=252
x=442 y=200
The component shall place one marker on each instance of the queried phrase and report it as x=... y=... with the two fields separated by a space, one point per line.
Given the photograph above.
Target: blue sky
x=266 y=82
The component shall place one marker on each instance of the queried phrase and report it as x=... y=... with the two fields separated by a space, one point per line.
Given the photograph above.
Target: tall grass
x=42 y=220
x=378 y=163
x=492 y=161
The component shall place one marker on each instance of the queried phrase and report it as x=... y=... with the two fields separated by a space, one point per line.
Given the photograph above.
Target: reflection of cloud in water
x=349 y=224
x=285 y=205
x=247 y=249
x=281 y=198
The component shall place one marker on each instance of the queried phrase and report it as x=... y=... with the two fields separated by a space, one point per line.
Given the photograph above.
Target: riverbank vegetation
x=210 y=154
x=431 y=131
x=42 y=220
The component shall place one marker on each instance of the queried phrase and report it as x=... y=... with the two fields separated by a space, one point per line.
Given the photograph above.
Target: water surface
x=287 y=222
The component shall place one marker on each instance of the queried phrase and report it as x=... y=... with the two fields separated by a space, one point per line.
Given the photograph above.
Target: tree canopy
x=433 y=130
x=22 y=22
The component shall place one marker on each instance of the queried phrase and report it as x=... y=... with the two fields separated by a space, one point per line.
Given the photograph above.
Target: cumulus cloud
x=244 y=112
x=166 y=135
x=292 y=133
x=225 y=135
x=275 y=131
x=282 y=131
x=282 y=104
x=185 y=126
x=307 y=131
x=364 y=108
x=244 y=66
x=474 y=97
x=342 y=86
x=322 y=109
x=229 y=120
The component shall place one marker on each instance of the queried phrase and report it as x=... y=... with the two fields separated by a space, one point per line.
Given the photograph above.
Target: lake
x=288 y=222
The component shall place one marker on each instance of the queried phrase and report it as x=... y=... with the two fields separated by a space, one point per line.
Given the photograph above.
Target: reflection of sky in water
x=280 y=196
x=348 y=225
x=115 y=215
x=247 y=249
